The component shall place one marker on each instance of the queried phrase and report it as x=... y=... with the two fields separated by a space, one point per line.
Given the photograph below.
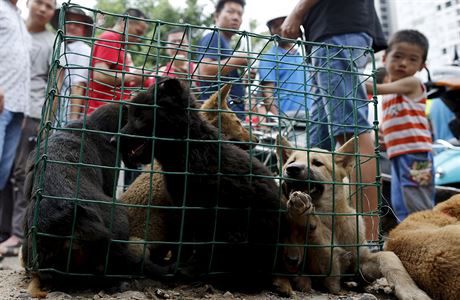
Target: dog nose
x=255 y=139
x=294 y=170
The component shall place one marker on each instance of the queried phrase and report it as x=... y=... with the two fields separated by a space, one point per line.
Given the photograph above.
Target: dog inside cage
x=165 y=151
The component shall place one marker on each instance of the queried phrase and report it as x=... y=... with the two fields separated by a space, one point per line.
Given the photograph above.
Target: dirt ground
x=13 y=285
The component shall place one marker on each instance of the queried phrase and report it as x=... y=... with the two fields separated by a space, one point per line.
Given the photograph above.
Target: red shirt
x=109 y=48
x=168 y=71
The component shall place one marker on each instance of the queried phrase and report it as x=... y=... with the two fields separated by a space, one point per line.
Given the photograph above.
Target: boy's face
x=75 y=29
x=230 y=17
x=41 y=11
x=136 y=28
x=403 y=60
x=174 y=40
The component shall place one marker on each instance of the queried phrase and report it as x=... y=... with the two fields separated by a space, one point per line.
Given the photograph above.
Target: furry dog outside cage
x=225 y=197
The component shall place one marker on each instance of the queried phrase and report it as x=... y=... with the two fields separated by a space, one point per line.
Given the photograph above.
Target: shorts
x=342 y=104
x=412 y=183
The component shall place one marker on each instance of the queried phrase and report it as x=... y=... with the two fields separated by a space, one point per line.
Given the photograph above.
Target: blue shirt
x=215 y=47
x=289 y=74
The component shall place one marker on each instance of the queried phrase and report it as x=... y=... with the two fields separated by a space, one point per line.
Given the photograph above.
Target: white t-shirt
x=15 y=45
x=75 y=60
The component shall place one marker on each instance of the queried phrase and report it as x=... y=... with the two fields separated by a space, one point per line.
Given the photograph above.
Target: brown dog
x=149 y=188
x=305 y=227
x=323 y=176
x=428 y=244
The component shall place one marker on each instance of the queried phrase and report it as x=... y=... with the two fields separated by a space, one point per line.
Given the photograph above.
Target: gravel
x=13 y=285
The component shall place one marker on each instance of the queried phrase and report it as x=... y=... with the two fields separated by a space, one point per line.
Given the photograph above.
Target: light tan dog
x=149 y=188
x=305 y=227
x=323 y=176
x=428 y=244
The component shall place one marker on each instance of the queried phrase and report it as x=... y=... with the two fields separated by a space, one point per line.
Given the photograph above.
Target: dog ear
x=346 y=161
x=224 y=93
x=213 y=101
x=175 y=89
x=283 y=151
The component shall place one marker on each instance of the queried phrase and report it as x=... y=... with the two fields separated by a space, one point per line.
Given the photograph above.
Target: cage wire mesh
x=272 y=103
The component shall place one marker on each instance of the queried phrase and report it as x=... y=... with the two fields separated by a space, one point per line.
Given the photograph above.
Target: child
x=406 y=130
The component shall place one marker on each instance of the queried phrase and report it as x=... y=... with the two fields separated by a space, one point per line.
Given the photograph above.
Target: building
x=439 y=20
x=386 y=10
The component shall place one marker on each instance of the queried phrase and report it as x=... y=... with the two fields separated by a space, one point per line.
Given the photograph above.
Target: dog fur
x=149 y=189
x=311 y=172
x=52 y=188
x=428 y=244
x=236 y=228
x=305 y=227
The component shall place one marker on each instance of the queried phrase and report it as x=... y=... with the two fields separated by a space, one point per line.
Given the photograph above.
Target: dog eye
x=317 y=163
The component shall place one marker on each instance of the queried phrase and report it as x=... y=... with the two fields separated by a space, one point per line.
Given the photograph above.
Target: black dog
x=66 y=231
x=232 y=204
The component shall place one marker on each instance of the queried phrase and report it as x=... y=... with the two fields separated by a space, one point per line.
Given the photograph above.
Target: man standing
x=217 y=62
x=14 y=82
x=283 y=76
x=343 y=104
x=40 y=13
x=110 y=78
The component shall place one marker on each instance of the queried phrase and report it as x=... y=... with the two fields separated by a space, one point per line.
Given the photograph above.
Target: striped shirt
x=405 y=125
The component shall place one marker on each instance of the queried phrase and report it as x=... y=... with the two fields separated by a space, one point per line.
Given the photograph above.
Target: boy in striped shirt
x=405 y=126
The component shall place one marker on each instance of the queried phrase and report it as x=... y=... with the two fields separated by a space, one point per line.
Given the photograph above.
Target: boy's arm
x=209 y=67
x=269 y=98
x=409 y=86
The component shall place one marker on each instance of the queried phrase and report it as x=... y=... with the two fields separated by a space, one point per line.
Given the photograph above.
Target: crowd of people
x=338 y=108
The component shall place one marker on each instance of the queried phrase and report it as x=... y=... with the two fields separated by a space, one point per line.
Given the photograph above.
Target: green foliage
x=157 y=10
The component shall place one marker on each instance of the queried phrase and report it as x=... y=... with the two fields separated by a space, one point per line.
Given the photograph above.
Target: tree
x=160 y=13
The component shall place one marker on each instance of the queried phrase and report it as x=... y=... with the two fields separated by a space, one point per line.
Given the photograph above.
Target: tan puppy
x=428 y=244
x=306 y=228
x=323 y=176
x=149 y=188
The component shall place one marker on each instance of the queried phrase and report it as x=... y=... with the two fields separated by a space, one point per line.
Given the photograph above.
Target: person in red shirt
x=111 y=76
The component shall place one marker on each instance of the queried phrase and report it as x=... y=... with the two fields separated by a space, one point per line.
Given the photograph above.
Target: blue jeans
x=412 y=183
x=10 y=133
x=341 y=106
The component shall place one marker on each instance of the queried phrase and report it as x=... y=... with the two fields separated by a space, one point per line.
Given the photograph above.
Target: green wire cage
x=262 y=79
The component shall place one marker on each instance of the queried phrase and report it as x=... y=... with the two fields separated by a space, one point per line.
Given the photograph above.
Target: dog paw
x=333 y=285
x=300 y=203
x=411 y=294
x=302 y=284
x=283 y=286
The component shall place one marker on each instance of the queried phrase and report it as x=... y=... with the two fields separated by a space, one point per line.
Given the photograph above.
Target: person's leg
x=6 y=209
x=366 y=199
x=12 y=134
x=318 y=131
x=399 y=168
x=26 y=145
x=347 y=111
x=5 y=191
x=10 y=144
x=417 y=182
x=5 y=119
